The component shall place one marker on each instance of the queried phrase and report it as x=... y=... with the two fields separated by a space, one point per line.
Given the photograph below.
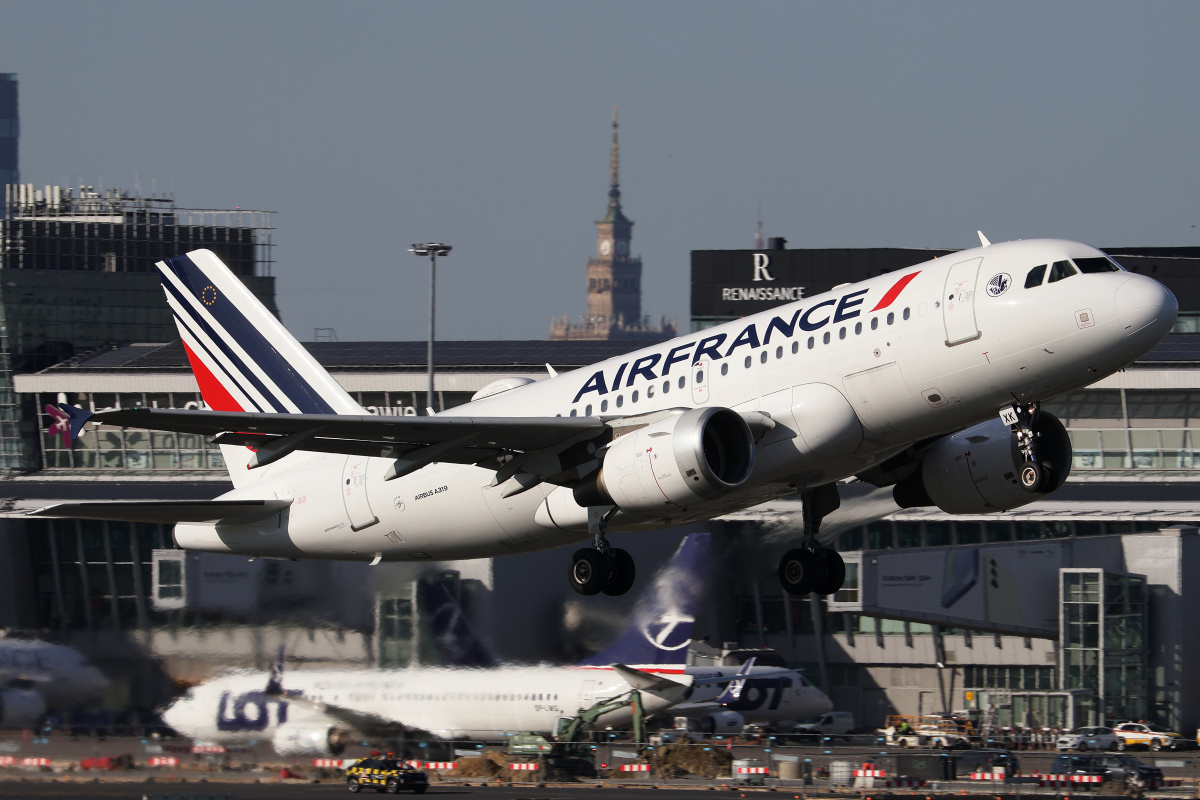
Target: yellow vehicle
x=1143 y=734
x=385 y=775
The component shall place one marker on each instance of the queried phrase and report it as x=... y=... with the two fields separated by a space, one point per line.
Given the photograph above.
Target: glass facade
x=888 y=534
x=1102 y=626
x=1131 y=428
x=93 y=575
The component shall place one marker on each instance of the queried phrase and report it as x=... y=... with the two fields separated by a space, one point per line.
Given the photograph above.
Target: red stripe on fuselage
x=215 y=395
x=895 y=291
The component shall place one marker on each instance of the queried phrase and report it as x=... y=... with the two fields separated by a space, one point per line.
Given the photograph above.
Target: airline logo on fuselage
x=249 y=711
x=718 y=346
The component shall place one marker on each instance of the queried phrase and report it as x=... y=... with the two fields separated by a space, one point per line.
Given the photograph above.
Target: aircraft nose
x=1144 y=304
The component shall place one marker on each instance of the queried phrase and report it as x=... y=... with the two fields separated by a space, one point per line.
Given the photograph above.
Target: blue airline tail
x=658 y=634
x=661 y=628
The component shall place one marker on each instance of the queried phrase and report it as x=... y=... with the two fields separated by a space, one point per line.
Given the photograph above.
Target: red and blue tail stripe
x=242 y=356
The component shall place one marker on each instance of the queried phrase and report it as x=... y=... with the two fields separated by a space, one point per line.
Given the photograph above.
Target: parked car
x=833 y=723
x=985 y=760
x=1143 y=734
x=1112 y=766
x=1092 y=738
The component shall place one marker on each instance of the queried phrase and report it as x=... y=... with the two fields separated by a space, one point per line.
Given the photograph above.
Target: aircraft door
x=958 y=302
x=700 y=382
x=354 y=493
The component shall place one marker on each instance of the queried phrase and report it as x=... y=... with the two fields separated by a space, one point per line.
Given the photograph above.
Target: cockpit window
x=1060 y=270
x=1034 y=278
x=1096 y=264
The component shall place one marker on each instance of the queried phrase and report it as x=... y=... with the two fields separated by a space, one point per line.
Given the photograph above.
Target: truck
x=829 y=724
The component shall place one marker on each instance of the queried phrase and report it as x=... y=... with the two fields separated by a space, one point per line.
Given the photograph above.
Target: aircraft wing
x=416 y=441
x=648 y=681
x=166 y=511
x=370 y=726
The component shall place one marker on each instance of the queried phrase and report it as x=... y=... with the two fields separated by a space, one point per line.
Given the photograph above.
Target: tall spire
x=614 y=192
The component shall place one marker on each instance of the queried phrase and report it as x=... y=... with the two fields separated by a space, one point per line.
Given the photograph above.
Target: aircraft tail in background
x=661 y=627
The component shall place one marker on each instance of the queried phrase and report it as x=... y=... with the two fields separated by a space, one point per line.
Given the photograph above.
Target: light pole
x=433 y=250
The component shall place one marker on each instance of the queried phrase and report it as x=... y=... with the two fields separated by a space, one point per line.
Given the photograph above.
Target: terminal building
x=1068 y=611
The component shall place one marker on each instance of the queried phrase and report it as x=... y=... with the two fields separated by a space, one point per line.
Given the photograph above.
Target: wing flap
x=166 y=511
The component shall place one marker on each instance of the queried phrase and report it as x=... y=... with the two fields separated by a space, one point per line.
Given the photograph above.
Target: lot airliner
x=927 y=379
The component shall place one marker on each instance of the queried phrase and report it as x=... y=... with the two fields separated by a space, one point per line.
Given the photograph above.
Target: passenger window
x=779 y=352
x=906 y=313
x=795 y=348
x=724 y=369
x=573 y=412
x=825 y=338
x=650 y=391
x=666 y=386
x=891 y=318
x=748 y=360
x=811 y=342
x=762 y=357
x=633 y=398
x=1060 y=270
x=874 y=323
x=682 y=380
x=1034 y=278
x=842 y=333
x=857 y=328
x=603 y=406
x=587 y=412
x=620 y=401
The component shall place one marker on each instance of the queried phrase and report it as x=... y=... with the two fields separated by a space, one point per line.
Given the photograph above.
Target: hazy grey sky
x=371 y=125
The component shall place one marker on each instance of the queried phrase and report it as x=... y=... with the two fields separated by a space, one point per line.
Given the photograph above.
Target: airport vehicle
x=385 y=775
x=1144 y=734
x=941 y=732
x=1091 y=738
x=831 y=723
x=318 y=712
x=927 y=379
x=36 y=676
x=1112 y=766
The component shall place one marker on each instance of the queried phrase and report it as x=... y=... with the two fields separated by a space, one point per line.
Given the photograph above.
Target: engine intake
x=976 y=471
x=674 y=463
x=303 y=740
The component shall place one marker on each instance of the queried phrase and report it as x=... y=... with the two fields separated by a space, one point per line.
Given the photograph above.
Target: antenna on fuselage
x=983 y=240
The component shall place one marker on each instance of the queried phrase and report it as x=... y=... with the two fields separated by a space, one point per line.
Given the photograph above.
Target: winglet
x=77 y=416
x=275 y=682
x=983 y=240
x=733 y=691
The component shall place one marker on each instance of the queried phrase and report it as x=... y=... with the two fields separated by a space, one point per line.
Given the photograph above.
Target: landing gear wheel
x=834 y=571
x=623 y=573
x=800 y=570
x=588 y=571
x=1032 y=476
x=353 y=785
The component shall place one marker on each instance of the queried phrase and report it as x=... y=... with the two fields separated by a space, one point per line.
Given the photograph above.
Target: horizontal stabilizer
x=648 y=681
x=166 y=511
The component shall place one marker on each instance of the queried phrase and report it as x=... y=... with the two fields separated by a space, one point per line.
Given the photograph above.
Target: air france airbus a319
x=927 y=379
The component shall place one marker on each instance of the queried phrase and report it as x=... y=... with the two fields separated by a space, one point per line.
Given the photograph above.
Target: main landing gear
x=601 y=567
x=810 y=567
x=1034 y=473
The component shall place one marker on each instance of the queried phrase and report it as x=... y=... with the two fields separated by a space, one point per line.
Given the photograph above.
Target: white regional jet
x=36 y=676
x=928 y=379
x=318 y=712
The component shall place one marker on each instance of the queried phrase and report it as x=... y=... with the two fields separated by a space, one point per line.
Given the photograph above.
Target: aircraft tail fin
x=660 y=629
x=242 y=356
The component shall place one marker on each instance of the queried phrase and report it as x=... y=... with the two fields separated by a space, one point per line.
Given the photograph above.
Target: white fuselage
x=849 y=378
x=452 y=704
x=769 y=695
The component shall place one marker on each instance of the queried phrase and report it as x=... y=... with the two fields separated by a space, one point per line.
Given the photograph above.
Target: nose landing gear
x=1034 y=472
x=601 y=567
x=810 y=567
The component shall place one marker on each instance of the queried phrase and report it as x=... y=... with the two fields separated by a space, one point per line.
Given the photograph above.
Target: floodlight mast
x=433 y=250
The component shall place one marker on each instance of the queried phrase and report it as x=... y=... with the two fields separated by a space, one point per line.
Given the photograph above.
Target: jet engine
x=722 y=722
x=304 y=740
x=21 y=708
x=977 y=470
x=674 y=463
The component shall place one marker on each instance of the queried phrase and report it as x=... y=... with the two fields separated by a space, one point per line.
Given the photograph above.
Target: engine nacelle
x=305 y=740
x=722 y=722
x=975 y=470
x=672 y=464
x=21 y=708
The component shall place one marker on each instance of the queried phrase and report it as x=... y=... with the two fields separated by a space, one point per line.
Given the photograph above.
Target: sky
x=367 y=126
